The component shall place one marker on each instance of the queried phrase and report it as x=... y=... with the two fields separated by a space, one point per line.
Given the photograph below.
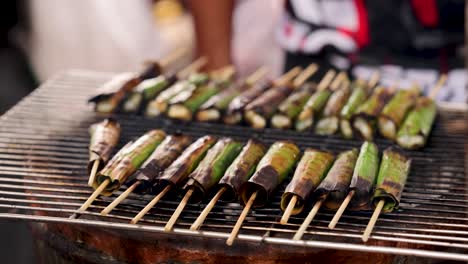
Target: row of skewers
x=157 y=163
x=335 y=104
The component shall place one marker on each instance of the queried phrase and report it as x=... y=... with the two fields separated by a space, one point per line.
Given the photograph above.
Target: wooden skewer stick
x=93 y=196
x=300 y=232
x=92 y=175
x=170 y=224
x=326 y=80
x=257 y=75
x=173 y=56
x=201 y=218
x=374 y=79
x=119 y=199
x=341 y=210
x=150 y=205
x=287 y=77
x=435 y=90
x=373 y=220
x=305 y=74
x=289 y=209
x=342 y=76
x=240 y=221
x=194 y=66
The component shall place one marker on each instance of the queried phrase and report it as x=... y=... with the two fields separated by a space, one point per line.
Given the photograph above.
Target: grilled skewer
x=127 y=162
x=361 y=91
x=235 y=110
x=364 y=121
x=104 y=137
x=271 y=171
x=184 y=105
x=362 y=182
x=317 y=101
x=237 y=174
x=178 y=171
x=207 y=174
x=310 y=171
x=213 y=109
x=415 y=130
x=160 y=104
x=391 y=180
x=112 y=93
x=142 y=180
x=395 y=111
x=329 y=123
x=258 y=112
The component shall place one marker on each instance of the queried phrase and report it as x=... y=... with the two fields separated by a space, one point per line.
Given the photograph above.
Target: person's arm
x=213 y=28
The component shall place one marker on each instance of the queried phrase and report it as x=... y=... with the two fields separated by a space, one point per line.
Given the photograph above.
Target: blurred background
x=41 y=38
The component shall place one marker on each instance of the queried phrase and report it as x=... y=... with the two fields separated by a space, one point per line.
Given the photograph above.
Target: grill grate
x=43 y=155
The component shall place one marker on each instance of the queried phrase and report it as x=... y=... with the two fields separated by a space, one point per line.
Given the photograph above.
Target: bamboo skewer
x=193 y=67
x=92 y=175
x=373 y=220
x=257 y=75
x=435 y=90
x=289 y=209
x=240 y=221
x=305 y=74
x=91 y=198
x=374 y=79
x=341 y=210
x=150 y=205
x=287 y=77
x=300 y=232
x=170 y=224
x=201 y=218
x=120 y=198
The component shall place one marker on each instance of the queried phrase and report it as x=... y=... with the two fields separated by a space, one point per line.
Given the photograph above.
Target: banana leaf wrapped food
x=328 y=124
x=104 y=138
x=111 y=95
x=334 y=187
x=160 y=104
x=185 y=104
x=212 y=167
x=394 y=113
x=415 y=130
x=310 y=171
x=365 y=119
x=180 y=169
x=128 y=161
x=241 y=169
x=360 y=93
x=392 y=177
x=290 y=108
x=235 y=110
x=364 y=175
x=163 y=156
x=271 y=171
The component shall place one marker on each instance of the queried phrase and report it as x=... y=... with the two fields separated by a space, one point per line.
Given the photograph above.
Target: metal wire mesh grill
x=43 y=155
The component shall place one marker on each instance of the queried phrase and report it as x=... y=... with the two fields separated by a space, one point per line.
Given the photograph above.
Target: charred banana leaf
x=235 y=110
x=329 y=122
x=391 y=180
x=180 y=169
x=163 y=156
x=358 y=97
x=212 y=167
x=271 y=171
x=310 y=171
x=130 y=160
x=365 y=119
x=334 y=188
x=365 y=172
x=241 y=169
x=104 y=138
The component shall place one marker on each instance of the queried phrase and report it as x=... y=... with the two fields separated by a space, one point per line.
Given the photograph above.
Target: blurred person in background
x=407 y=40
